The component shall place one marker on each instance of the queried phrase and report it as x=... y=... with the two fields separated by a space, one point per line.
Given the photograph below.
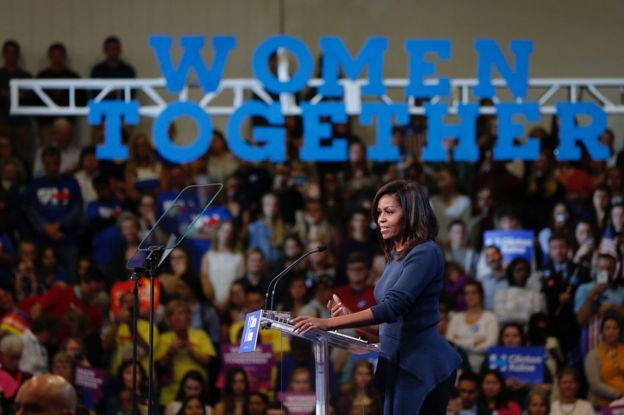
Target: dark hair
x=568 y=371
x=50 y=152
x=260 y=395
x=186 y=402
x=558 y=236
x=111 y=39
x=456 y=222
x=419 y=222
x=10 y=43
x=502 y=398
x=478 y=286
x=88 y=150
x=57 y=46
x=468 y=376
x=357 y=257
x=511 y=267
x=612 y=318
x=518 y=327
x=278 y=405
x=228 y=391
x=197 y=377
x=45 y=322
x=93 y=274
x=142 y=386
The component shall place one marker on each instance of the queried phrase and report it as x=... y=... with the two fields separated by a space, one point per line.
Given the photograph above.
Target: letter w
x=191 y=59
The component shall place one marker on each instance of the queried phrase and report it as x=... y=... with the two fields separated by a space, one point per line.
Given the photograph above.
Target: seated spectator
x=193 y=406
x=143 y=170
x=560 y=223
x=234 y=310
x=568 y=402
x=268 y=233
x=128 y=227
x=469 y=395
x=614 y=182
x=449 y=204
x=291 y=202
x=49 y=272
x=177 y=264
x=359 y=239
x=300 y=380
x=297 y=296
x=312 y=224
x=11 y=377
x=360 y=396
x=482 y=219
x=46 y=393
x=102 y=216
x=257 y=403
x=14 y=126
x=62 y=298
x=58 y=69
x=454 y=281
x=537 y=402
x=62 y=140
x=118 y=392
x=255 y=271
x=193 y=385
x=320 y=264
x=74 y=348
x=117 y=338
x=602 y=365
x=113 y=66
x=43 y=333
x=458 y=250
x=584 y=244
x=357 y=181
x=595 y=300
x=518 y=301
x=358 y=294
x=87 y=172
x=495 y=396
x=476 y=329
x=203 y=315
x=181 y=349
x=601 y=200
x=317 y=306
x=24 y=270
x=54 y=208
x=220 y=161
x=221 y=264
x=561 y=280
x=495 y=280
x=147 y=214
x=235 y=393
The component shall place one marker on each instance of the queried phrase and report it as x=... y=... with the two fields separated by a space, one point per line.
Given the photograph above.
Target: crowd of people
x=69 y=223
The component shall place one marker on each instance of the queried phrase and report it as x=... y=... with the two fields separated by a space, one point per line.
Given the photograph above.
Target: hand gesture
x=336 y=307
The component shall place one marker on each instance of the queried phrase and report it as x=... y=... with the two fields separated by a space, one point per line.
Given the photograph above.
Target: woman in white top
x=568 y=403
x=475 y=329
x=221 y=265
x=519 y=300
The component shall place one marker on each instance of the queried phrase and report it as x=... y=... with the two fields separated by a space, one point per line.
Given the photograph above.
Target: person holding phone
x=417 y=364
x=181 y=349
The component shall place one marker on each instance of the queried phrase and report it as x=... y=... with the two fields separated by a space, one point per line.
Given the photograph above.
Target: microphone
x=279 y=276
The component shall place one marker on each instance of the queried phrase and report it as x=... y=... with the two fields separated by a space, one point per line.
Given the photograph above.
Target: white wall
x=573 y=38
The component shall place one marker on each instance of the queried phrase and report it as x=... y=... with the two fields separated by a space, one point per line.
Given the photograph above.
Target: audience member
x=46 y=393
x=568 y=402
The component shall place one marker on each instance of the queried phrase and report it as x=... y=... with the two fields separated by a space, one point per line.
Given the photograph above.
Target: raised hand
x=336 y=307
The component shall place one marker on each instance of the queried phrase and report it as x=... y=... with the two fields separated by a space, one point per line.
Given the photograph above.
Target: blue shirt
x=491 y=285
x=610 y=295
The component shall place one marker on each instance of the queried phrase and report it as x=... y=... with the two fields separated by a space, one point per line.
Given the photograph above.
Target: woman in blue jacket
x=418 y=363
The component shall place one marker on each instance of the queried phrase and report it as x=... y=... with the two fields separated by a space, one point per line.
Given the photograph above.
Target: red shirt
x=356 y=300
x=59 y=299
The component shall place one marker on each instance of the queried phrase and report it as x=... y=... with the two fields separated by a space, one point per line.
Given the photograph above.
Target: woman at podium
x=416 y=363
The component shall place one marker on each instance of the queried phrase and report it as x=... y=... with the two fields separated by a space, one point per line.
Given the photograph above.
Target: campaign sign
x=258 y=365
x=614 y=410
x=523 y=363
x=298 y=403
x=250 y=331
x=513 y=244
x=91 y=381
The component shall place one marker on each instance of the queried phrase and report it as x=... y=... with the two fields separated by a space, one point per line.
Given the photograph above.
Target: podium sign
x=250 y=331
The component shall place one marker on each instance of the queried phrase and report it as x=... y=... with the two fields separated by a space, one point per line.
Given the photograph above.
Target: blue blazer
x=407 y=297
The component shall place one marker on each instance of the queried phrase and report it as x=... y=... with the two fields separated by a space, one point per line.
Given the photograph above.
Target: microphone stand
x=269 y=303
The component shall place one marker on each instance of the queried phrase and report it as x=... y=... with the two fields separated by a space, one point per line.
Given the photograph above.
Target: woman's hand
x=304 y=324
x=336 y=307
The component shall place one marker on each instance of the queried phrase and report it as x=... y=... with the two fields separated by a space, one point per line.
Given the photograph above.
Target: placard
x=523 y=363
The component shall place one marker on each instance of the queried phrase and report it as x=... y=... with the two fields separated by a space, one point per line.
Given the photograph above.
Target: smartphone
x=602 y=277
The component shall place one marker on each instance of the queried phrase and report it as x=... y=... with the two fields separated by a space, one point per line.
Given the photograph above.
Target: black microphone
x=279 y=276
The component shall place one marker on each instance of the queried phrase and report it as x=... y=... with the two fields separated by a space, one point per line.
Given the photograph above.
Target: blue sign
x=250 y=331
x=525 y=364
x=269 y=142
x=513 y=244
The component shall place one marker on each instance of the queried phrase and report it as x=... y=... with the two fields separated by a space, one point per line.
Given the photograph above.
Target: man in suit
x=562 y=277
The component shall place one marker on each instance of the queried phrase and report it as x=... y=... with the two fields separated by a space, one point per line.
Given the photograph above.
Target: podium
x=321 y=340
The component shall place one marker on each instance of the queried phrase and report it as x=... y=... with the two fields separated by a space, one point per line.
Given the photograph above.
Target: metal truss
x=232 y=93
